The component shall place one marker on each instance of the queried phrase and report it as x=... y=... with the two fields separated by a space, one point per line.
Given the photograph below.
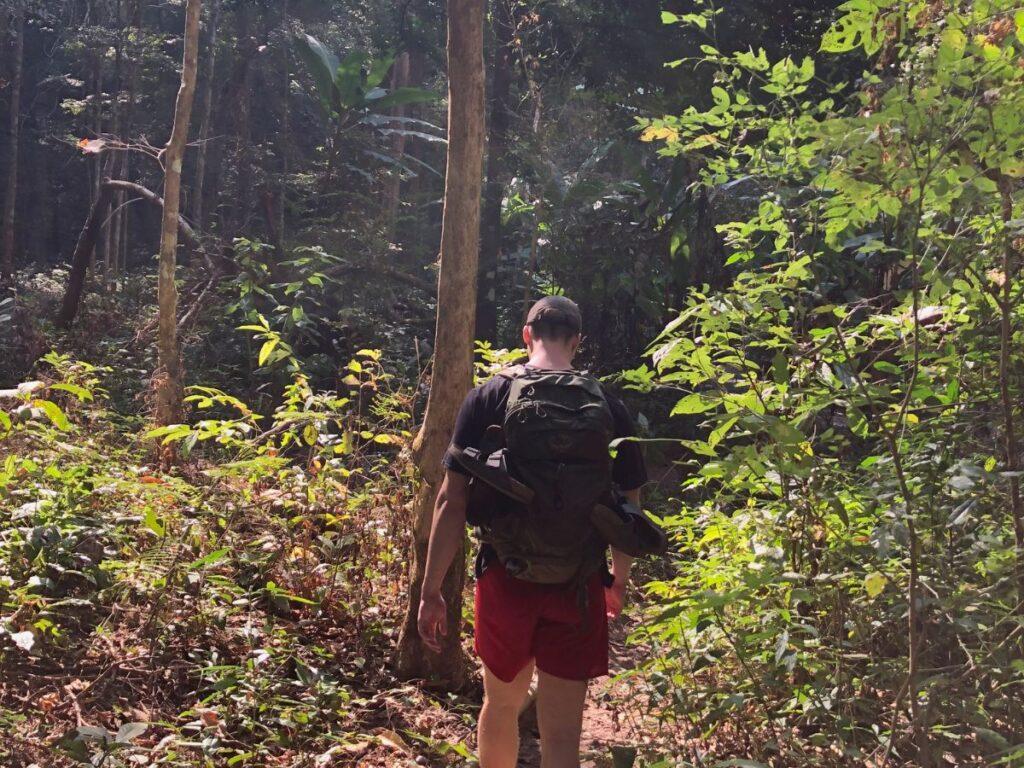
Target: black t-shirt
x=485 y=406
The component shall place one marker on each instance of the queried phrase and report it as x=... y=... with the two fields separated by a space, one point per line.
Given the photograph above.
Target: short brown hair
x=555 y=318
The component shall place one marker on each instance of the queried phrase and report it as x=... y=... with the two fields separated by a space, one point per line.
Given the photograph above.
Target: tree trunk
x=284 y=137
x=707 y=251
x=113 y=243
x=497 y=149
x=531 y=266
x=167 y=379
x=82 y=257
x=453 y=341
x=393 y=190
x=206 y=113
x=242 y=201
x=13 y=138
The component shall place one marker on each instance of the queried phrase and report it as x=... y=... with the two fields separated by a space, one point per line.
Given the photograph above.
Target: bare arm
x=446 y=533
x=447 y=530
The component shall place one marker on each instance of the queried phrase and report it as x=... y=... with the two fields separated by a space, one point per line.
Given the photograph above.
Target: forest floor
x=231 y=614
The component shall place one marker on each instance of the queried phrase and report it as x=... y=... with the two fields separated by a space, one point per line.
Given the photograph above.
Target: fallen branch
x=187 y=233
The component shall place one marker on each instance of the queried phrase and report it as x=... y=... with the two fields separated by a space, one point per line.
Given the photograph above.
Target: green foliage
x=849 y=535
x=236 y=571
x=350 y=95
x=353 y=84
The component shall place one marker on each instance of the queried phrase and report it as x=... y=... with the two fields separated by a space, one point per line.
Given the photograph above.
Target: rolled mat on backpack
x=628 y=529
x=492 y=474
x=620 y=524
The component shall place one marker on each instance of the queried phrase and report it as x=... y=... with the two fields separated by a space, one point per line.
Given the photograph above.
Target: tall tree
x=453 y=341
x=167 y=380
x=497 y=171
x=393 y=188
x=206 y=115
x=13 y=137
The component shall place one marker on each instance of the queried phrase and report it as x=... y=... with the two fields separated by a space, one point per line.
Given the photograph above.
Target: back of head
x=555 y=318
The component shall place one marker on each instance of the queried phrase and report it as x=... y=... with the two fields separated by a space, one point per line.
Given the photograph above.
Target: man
x=559 y=629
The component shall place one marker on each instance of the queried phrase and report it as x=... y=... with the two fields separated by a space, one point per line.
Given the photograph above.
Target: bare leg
x=560 y=717
x=498 y=728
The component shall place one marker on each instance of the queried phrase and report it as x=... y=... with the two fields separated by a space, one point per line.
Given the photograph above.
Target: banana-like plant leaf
x=322 y=66
x=426 y=166
x=406 y=95
x=379 y=69
x=348 y=79
x=389 y=160
x=413 y=134
x=391 y=120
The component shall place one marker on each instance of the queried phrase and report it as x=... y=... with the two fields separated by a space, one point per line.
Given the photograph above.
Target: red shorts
x=517 y=621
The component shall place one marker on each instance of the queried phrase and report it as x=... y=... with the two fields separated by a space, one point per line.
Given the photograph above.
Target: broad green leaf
x=81 y=393
x=405 y=95
x=150 y=521
x=266 y=349
x=322 y=65
x=53 y=413
x=213 y=557
x=719 y=433
x=952 y=45
x=694 y=403
x=874 y=584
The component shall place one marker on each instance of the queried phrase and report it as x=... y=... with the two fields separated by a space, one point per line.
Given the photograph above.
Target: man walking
x=544 y=592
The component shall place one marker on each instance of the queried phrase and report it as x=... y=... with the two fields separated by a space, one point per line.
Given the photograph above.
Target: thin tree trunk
x=531 y=268
x=284 y=138
x=13 y=139
x=82 y=257
x=453 y=342
x=497 y=149
x=97 y=126
x=113 y=241
x=1007 y=308
x=242 y=202
x=167 y=379
x=206 y=113
x=707 y=252
x=393 y=190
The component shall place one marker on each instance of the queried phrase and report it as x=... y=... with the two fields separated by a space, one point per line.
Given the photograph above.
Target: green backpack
x=540 y=487
x=556 y=431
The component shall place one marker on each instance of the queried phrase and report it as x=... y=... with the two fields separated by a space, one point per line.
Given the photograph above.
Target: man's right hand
x=433 y=620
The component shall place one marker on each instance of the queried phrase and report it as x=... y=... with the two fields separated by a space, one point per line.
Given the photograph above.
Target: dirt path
x=605 y=730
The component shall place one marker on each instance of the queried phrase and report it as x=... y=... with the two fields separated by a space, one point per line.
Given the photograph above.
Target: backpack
x=540 y=486
x=556 y=432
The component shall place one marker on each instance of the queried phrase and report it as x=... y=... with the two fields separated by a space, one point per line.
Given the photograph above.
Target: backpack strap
x=513 y=372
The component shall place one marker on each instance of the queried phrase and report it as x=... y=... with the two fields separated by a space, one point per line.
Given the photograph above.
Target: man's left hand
x=615 y=598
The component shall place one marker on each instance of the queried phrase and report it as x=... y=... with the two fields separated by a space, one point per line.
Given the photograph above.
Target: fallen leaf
x=390 y=738
x=209 y=717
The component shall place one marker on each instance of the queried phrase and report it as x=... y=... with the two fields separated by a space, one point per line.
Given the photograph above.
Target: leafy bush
x=850 y=571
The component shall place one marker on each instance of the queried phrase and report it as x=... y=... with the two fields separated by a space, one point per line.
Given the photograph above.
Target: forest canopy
x=254 y=254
